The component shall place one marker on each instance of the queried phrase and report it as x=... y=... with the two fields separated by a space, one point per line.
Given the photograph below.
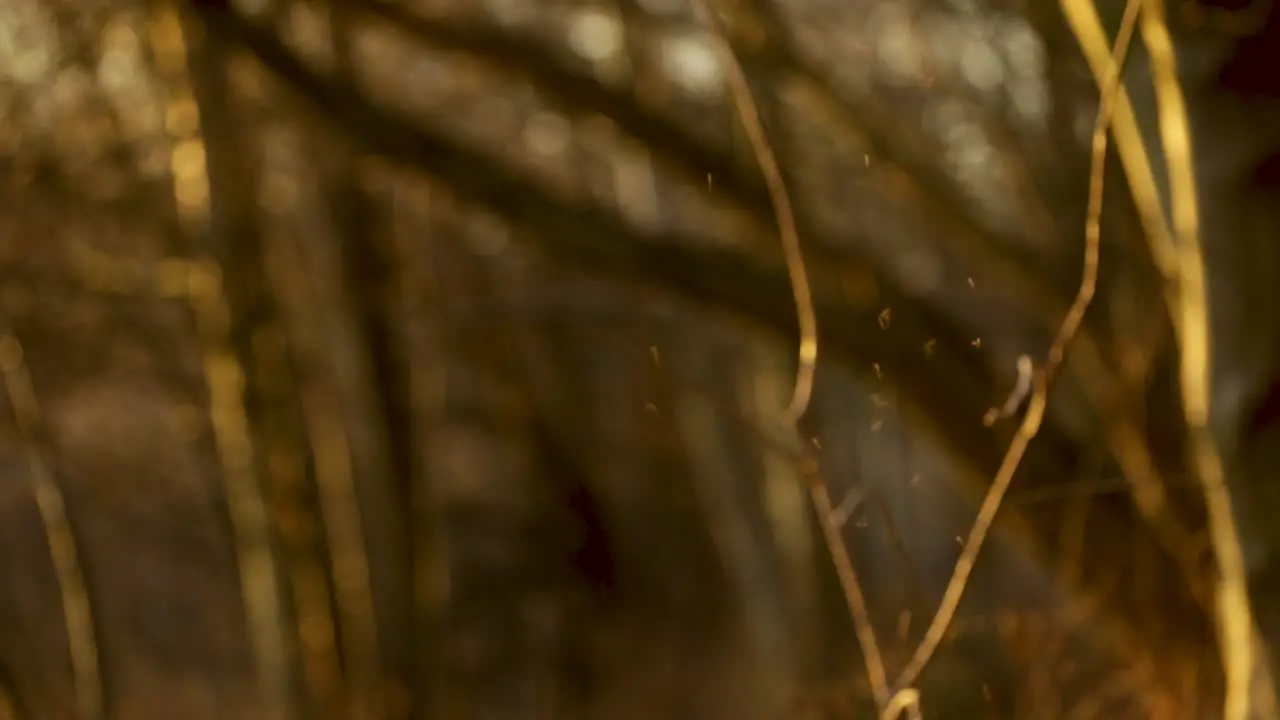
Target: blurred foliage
x=372 y=359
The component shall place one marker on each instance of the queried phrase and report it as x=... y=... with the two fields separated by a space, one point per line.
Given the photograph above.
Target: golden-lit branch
x=332 y=448
x=749 y=115
x=1034 y=417
x=77 y=612
x=1235 y=617
x=330 y=440
x=1129 y=447
x=200 y=284
x=1082 y=16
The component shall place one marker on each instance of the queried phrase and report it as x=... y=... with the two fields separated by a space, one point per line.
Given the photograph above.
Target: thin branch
x=749 y=114
x=200 y=284
x=1235 y=616
x=334 y=441
x=1082 y=16
x=1039 y=400
x=77 y=611
x=310 y=313
x=1123 y=432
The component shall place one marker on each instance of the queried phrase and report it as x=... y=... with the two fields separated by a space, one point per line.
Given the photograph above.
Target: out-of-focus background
x=428 y=359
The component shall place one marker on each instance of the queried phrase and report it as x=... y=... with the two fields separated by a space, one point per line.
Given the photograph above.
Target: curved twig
x=749 y=115
x=1124 y=435
x=1031 y=422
